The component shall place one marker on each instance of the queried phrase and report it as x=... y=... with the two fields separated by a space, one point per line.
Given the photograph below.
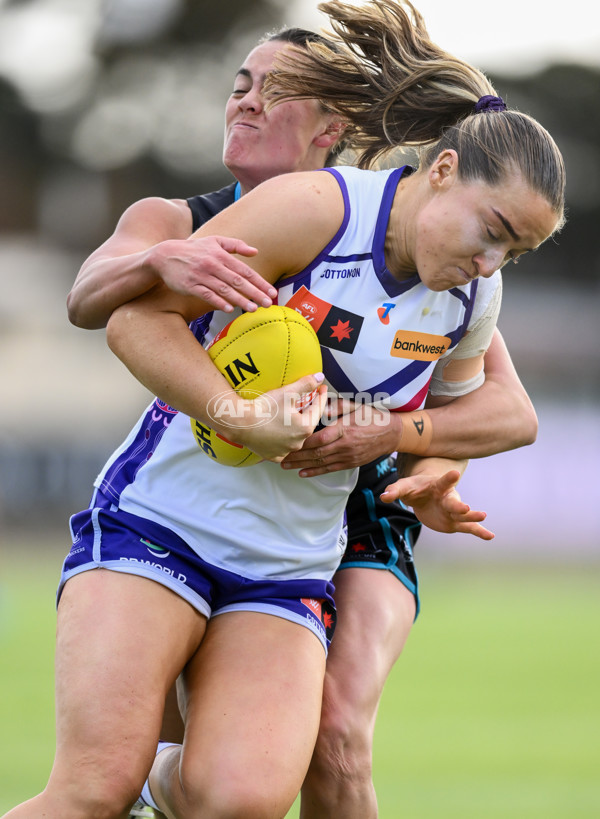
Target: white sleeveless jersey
x=380 y=338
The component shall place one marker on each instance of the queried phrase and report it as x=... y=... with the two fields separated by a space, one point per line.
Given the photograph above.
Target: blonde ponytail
x=397 y=89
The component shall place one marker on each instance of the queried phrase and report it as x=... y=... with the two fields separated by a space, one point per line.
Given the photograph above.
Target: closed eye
x=512 y=255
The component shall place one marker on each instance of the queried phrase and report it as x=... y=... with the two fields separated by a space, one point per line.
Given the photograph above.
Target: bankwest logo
x=419 y=346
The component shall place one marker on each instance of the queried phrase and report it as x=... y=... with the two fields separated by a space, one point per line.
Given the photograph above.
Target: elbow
x=527 y=430
x=532 y=428
x=116 y=331
x=79 y=317
x=73 y=312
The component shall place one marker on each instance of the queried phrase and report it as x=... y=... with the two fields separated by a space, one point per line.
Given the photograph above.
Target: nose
x=487 y=263
x=252 y=101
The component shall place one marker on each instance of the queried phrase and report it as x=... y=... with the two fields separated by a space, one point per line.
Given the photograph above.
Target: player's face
x=259 y=144
x=471 y=229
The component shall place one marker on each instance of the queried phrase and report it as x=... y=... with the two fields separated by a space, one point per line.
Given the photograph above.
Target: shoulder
x=300 y=199
x=289 y=219
x=487 y=299
x=205 y=205
x=166 y=218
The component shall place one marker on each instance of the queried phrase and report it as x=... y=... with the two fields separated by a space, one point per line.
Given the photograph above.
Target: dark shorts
x=112 y=539
x=381 y=535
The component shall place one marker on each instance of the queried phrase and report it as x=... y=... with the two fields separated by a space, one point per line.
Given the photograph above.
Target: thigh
x=121 y=640
x=253 y=696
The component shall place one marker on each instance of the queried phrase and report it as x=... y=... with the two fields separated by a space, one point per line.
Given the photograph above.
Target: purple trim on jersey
x=355 y=257
x=392 y=286
x=335 y=375
x=416 y=402
x=396 y=382
x=298 y=279
x=340 y=381
x=200 y=326
x=469 y=302
x=303 y=279
x=123 y=469
x=460 y=295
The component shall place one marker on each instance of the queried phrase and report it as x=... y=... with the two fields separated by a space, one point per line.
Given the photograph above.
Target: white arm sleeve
x=475 y=341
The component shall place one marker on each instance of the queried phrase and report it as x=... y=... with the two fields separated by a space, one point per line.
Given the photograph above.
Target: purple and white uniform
x=381 y=340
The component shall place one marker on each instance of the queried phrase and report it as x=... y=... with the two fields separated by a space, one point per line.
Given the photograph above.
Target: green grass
x=493 y=709
x=492 y=712
x=28 y=579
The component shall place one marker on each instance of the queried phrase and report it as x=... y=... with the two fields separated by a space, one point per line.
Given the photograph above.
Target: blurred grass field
x=492 y=712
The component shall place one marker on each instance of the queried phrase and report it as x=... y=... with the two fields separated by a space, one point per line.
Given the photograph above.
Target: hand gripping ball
x=256 y=352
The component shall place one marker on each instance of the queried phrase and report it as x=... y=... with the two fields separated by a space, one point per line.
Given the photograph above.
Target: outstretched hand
x=437 y=504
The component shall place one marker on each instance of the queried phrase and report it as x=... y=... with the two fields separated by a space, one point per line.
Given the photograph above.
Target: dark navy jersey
x=206 y=205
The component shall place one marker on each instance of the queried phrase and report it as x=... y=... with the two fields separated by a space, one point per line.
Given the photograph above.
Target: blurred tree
x=148 y=121
x=22 y=157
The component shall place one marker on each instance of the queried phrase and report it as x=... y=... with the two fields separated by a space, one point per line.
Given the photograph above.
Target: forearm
x=157 y=347
x=411 y=465
x=130 y=262
x=496 y=417
x=102 y=285
x=484 y=422
x=489 y=420
x=151 y=337
x=498 y=421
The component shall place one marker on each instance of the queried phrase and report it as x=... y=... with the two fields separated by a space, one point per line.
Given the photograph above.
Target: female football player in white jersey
x=377 y=576
x=251 y=679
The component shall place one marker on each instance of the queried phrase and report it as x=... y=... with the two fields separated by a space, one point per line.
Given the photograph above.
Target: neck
x=400 y=230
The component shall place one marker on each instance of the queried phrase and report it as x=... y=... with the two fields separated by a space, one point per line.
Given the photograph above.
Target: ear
x=332 y=133
x=443 y=172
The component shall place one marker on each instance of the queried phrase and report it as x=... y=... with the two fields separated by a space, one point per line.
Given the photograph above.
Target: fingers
x=317 y=446
x=475 y=529
x=405 y=489
x=448 y=481
x=319 y=455
x=229 y=288
x=316 y=405
x=236 y=246
x=225 y=281
x=301 y=390
x=299 y=408
x=337 y=406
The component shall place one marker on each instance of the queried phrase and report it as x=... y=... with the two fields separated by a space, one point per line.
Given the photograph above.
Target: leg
x=375 y=615
x=121 y=641
x=253 y=696
x=172 y=724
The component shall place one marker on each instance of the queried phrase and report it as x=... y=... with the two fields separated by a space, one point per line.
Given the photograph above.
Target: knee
x=103 y=794
x=114 y=795
x=339 y=780
x=232 y=797
x=343 y=751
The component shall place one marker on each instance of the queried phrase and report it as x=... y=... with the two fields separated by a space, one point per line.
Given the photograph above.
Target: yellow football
x=257 y=352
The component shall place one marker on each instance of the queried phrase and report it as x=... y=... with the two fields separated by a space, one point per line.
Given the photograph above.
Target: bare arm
x=151 y=335
x=151 y=244
x=496 y=417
